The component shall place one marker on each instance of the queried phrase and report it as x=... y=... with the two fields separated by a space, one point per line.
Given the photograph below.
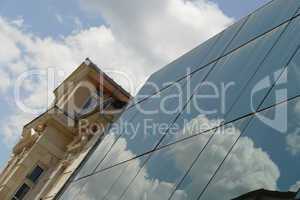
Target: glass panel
x=148 y=89
x=165 y=169
x=197 y=58
x=147 y=128
x=35 y=174
x=287 y=85
x=267 y=156
x=209 y=159
x=73 y=190
x=101 y=184
x=121 y=184
x=182 y=66
x=97 y=156
x=224 y=40
x=107 y=143
x=265 y=19
x=214 y=98
x=152 y=87
x=263 y=80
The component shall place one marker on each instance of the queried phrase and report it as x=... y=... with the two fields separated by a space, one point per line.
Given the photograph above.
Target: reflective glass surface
x=182 y=66
x=165 y=169
x=265 y=19
x=97 y=156
x=266 y=156
x=100 y=185
x=193 y=60
x=106 y=144
x=273 y=66
x=129 y=172
x=148 y=127
x=298 y=13
x=221 y=121
x=287 y=86
x=154 y=117
x=219 y=143
x=73 y=190
x=214 y=98
x=224 y=41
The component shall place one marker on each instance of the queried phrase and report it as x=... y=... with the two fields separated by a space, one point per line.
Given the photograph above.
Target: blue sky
x=41 y=17
x=35 y=29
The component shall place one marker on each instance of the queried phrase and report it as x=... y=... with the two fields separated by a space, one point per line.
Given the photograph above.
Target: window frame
x=38 y=165
x=14 y=197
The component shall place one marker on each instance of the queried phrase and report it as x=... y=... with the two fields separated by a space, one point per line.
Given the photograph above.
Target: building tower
x=54 y=144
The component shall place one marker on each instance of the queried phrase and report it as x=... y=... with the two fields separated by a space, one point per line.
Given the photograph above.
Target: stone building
x=54 y=144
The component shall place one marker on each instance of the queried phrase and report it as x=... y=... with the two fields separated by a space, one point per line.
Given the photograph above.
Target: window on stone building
x=21 y=192
x=35 y=174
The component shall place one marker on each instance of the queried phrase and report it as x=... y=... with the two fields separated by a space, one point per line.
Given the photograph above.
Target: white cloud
x=296 y=187
x=141 y=38
x=160 y=30
x=247 y=169
x=9 y=49
x=293 y=142
x=145 y=187
x=4 y=81
x=97 y=43
x=19 y=22
x=12 y=126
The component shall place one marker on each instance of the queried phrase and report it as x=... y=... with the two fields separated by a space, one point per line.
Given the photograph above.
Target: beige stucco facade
x=54 y=144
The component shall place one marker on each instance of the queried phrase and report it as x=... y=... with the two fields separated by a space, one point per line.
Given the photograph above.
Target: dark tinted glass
x=22 y=191
x=165 y=169
x=98 y=155
x=193 y=60
x=180 y=67
x=214 y=98
x=267 y=156
x=73 y=190
x=148 y=127
x=106 y=144
x=217 y=144
x=155 y=116
x=273 y=66
x=148 y=89
x=128 y=173
x=224 y=40
x=265 y=19
x=215 y=147
x=111 y=182
x=35 y=174
x=287 y=86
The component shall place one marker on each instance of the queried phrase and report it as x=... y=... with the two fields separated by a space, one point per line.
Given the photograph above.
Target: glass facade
x=219 y=122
